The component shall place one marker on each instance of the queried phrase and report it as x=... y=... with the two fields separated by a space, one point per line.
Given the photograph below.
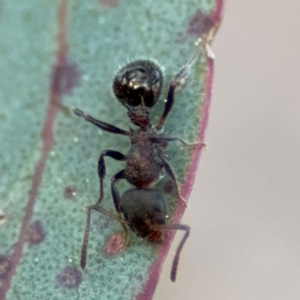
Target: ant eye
x=138 y=83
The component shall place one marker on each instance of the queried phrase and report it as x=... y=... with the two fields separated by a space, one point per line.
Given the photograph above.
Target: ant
x=137 y=86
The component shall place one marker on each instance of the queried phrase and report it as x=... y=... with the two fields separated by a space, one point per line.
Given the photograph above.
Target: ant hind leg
x=85 y=242
x=101 y=173
x=180 y=246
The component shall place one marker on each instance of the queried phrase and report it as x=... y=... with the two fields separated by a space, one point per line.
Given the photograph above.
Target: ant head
x=143 y=209
x=138 y=83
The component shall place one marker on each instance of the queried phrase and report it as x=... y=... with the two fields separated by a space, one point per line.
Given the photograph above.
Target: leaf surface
x=59 y=55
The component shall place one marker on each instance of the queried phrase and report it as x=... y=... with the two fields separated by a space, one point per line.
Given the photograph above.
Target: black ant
x=137 y=86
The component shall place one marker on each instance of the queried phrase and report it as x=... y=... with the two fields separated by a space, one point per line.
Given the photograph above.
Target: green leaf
x=59 y=55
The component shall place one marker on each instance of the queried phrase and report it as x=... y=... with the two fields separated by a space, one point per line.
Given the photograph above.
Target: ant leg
x=180 y=246
x=178 y=81
x=100 y=124
x=85 y=242
x=172 y=175
x=114 y=191
x=116 y=197
x=102 y=170
x=101 y=173
x=167 y=138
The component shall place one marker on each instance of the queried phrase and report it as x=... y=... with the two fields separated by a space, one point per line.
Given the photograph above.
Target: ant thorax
x=144 y=165
x=142 y=136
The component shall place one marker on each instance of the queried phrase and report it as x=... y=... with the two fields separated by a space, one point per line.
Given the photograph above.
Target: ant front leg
x=100 y=124
x=102 y=170
x=178 y=81
x=167 y=166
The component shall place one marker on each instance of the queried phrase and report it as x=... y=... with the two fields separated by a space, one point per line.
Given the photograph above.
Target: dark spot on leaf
x=110 y=3
x=35 y=233
x=169 y=187
x=65 y=77
x=3 y=217
x=70 y=192
x=200 y=23
x=4 y=265
x=114 y=245
x=69 y=278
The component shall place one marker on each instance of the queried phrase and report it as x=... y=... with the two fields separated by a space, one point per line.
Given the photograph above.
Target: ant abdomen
x=146 y=214
x=144 y=209
x=137 y=82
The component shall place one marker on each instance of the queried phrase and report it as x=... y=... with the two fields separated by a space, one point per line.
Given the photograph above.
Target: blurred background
x=245 y=206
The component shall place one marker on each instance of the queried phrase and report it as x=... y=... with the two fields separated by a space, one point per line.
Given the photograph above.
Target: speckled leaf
x=58 y=55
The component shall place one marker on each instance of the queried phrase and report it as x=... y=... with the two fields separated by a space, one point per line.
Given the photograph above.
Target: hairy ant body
x=137 y=86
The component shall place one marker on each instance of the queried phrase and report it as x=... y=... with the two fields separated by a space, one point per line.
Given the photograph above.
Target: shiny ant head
x=144 y=210
x=138 y=83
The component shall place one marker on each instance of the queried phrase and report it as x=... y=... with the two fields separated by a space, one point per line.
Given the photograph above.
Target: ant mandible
x=137 y=86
